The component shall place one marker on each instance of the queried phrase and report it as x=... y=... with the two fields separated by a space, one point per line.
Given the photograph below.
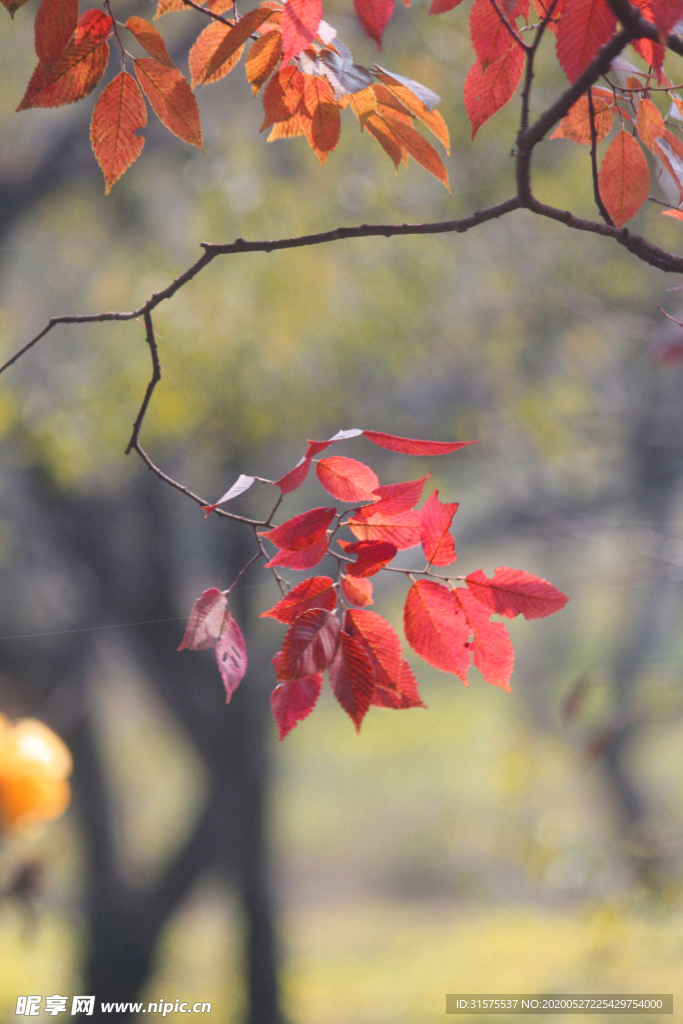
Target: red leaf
x=373 y=555
x=357 y=591
x=436 y=628
x=374 y=16
x=119 y=112
x=435 y=522
x=206 y=622
x=512 y=592
x=487 y=92
x=395 y=498
x=380 y=642
x=651 y=52
x=665 y=14
x=441 y=6
x=624 y=178
x=408 y=695
x=171 y=99
x=402 y=530
x=310 y=644
x=300 y=20
x=584 y=27
x=317 y=592
x=290 y=481
x=411 y=446
x=494 y=654
x=490 y=38
x=293 y=701
x=77 y=70
x=150 y=39
x=346 y=479
x=306 y=558
x=55 y=23
x=301 y=531
x=231 y=656
x=353 y=678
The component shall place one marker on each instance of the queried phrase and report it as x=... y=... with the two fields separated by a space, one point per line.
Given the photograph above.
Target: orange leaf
x=202 y=51
x=324 y=127
x=432 y=119
x=264 y=56
x=624 y=178
x=421 y=151
x=54 y=26
x=214 y=48
x=291 y=129
x=486 y=92
x=650 y=123
x=576 y=126
x=282 y=95
x=73 y=76
x=361 y=103
x=381 y=131
x=171 y=99
x=357 y=591
x=543 y=8
x=585 y=26
x=119 y=112
x=150 y=40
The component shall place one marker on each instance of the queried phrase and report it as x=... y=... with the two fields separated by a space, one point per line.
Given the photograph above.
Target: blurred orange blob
x=34 y=767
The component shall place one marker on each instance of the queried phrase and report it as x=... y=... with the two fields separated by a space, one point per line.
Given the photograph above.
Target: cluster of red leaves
x=329 y=626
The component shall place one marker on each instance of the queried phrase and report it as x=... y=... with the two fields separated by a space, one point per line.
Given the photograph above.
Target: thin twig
x=594 y=162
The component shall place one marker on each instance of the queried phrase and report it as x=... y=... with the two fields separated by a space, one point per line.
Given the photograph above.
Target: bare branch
x=156 y=377
x=594 y=163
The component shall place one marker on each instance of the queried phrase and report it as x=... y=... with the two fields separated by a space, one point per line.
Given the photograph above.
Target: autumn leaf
x=346 y=479
x=323 y=128
x=13 y=6
x=293 y=701
x=487 y=92
x=242 y=484
x=395 y=498
x=412 y=446
x=651 y=52
x=171 y=99
x=421 y=151
x=373 y=555
x=436 y=627
x=281 y=97
x=357 y=590
x=304 y=558
x=264 y=56
x=302 y=530
x=310 y=644
x=293 y=128
x=490 y=38
x=624 y=178
x=512 y=592
x=432 y=119
x=373 y=17
x=665 y=14
x=441 y=6
x=402 y=529
x=550 y=12
x=300 y=20
x=406 y=696
x=316 y=592
x=231 y=656
x=650 y=123
x=295 y=477
x=585 y=26
x=435 y=523
x=55 y=23
x=77 y=70
x=150 y=39
x=206 y=621
x=218 y=48
x=119 y=112
x=380 y=130
x=494 y=654
x=576 y=126
x=353 y=678
x=379 y=642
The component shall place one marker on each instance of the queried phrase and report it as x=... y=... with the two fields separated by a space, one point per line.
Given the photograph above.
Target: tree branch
x=594 y=163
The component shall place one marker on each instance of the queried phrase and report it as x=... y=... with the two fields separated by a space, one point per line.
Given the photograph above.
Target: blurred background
x=524 y=842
